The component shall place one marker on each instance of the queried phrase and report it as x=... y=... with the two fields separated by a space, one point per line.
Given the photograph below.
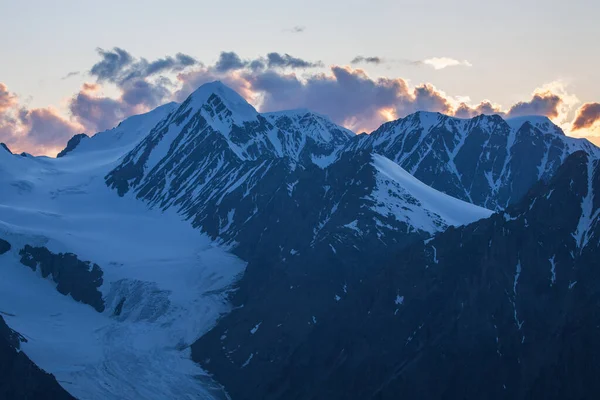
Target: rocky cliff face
x=501 y=308
x=74 y=277
x=485 y=160
x=4 y=246
x=72 y=144
x=19 y=377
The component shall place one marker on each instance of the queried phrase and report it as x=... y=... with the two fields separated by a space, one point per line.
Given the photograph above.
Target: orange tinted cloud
x=587 y=115
x=546 y=104
x=388 y=114
x=485 y=107
x=37 y=130
x=349 y=96
x=88 y=87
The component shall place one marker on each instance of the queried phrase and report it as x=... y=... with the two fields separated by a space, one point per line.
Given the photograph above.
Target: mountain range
x=206 y=250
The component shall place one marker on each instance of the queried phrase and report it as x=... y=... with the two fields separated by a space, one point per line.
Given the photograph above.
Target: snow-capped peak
x=316 y=126
x=241 y=110
x=480 y=160
x=5 y=147
x=544 y=124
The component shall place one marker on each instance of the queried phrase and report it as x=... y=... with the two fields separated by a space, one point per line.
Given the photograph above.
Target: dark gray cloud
x=71 y=74
x=366 y=60
x=297 y=29
x=229 y=61
x=110 y=67
x=485 y=107
x=140 y=81
x=347 y=96
x=276 y=60
x=257 y=65
x=427 y=98
x=178 y=63
x=119 y=66
x=546 y=104
x=587 y=115
x=141 y=92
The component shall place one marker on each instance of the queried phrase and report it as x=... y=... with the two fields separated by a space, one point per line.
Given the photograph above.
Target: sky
x=70 y=66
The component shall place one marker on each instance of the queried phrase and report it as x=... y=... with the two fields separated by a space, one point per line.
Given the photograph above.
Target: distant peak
x=530 y=118
x=5 y=147
x=297 y=112
x=540 y=122
x=217 y=88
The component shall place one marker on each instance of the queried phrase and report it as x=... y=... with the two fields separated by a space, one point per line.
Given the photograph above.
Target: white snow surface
x=287 y=133
x=409 y=200
x=539 y=121
x=173 y=278
x=117 y=141
x=241 y=110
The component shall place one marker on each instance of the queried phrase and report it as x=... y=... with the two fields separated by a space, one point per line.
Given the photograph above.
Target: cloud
x=296 y=29
x=567 y=104
x=587 y=116
x=366 y=60
x=111 y=67
x=552 y=100
x=546 y=104
x=229 y=61
x=348 y=96
x=189 y=81
x=142 y=92
x=178 y=63
x=119 y=66
x=485 y=107
x=140 y=82
x=443 y=62
x=37 y=130
x=45 y=126
x=276 y=60
x=352 y=98
x=71 y=74
x=96 y=112
x=8 y=100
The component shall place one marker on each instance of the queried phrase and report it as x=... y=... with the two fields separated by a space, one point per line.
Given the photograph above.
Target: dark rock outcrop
x=5 y=147
x=72 y=144
x=80 y=279
x=20 y=378
x=4 y=246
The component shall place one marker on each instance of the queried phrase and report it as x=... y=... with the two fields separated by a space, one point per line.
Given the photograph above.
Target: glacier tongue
x=165 y=283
